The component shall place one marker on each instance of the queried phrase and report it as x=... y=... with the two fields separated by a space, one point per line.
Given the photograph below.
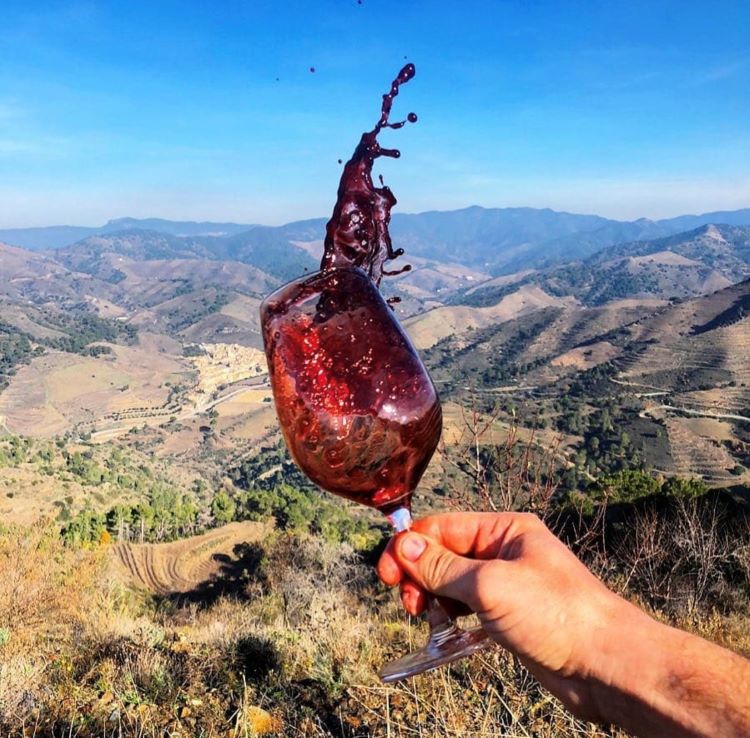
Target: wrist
x=629 y=671
x=658 y=681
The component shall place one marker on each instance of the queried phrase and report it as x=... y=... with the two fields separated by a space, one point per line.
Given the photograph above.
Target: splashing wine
x=357 y=408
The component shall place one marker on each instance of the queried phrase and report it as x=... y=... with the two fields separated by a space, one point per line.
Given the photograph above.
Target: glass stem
x=400 y=519
x=442 y=627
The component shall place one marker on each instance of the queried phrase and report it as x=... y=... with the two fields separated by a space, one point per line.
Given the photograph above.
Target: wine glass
x=359 y=413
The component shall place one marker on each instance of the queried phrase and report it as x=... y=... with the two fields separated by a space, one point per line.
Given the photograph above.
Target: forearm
x=668 y=683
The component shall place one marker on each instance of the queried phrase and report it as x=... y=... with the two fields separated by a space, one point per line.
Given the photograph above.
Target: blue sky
x=173 y=109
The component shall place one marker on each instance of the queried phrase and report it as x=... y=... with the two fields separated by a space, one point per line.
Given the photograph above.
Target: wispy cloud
x=725 y=71
x=9 y=111
x=11 y=147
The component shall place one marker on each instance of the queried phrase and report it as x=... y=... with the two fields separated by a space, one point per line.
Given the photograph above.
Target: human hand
x=530 y=592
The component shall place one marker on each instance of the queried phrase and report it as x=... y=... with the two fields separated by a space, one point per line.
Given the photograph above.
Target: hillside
x=151 y=341
x=124 y=278
x=682 y=265
x=725 y=248
x=439 y=323
x=671 y=380
x=36 y=278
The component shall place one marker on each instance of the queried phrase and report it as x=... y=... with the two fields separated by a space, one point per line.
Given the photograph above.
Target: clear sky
x=208 y=110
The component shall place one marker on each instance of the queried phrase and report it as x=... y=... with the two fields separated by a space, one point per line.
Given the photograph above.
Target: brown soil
x=182 y=566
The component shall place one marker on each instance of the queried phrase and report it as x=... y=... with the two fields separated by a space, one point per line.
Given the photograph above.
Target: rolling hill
x=674 y=378
x=675 y=267
x=426 y=329
x=126 y=311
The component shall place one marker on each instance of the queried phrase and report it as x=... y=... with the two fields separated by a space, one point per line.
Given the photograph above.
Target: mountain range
x=494 y=240
x=523 y=305
x=208 y=288
x=696 y=262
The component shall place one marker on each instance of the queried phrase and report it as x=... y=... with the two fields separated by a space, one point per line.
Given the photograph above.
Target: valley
x=141 y=461
x=634 y=354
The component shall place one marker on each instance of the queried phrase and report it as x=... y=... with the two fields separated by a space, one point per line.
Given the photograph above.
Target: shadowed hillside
x=683 y=265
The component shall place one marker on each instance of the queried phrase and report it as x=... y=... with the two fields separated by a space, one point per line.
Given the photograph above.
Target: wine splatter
x=357 y=233
x=356 y=405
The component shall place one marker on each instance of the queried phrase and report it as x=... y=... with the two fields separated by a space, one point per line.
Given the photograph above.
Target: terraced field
x=577 y=337
x=695 y=455
x=718 y=357
x=693 y=357
x=182 y=566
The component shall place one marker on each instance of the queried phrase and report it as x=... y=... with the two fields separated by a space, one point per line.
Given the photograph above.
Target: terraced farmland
x=695 y=455
x=181 y=566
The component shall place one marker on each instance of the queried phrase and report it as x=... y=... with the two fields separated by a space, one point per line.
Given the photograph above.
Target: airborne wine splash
x=357 y=233
x=357 y=408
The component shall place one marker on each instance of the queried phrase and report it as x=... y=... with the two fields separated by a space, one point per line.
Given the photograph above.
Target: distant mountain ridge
x=56 y=237
x=678 y=266
x=262 y=247
x=494 y=240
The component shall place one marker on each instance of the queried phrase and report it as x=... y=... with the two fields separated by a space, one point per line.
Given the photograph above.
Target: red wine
x=357 y=233
x=357 y=408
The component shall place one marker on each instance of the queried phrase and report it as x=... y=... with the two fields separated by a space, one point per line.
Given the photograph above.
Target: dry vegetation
x=292 y=644
x=295 y=654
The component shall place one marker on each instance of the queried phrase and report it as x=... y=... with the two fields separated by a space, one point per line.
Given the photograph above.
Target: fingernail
x=412 y=546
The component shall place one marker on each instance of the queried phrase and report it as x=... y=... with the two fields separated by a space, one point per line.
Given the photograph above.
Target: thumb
x=438 y=570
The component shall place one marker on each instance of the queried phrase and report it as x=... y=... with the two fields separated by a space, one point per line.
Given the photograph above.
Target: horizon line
x=421 y=212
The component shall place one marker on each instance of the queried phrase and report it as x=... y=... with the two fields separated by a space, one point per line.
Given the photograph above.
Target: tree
x=625 y=486
x=223 y=507
x=676 y=487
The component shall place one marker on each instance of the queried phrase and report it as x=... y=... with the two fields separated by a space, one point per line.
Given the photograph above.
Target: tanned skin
x=604 y=658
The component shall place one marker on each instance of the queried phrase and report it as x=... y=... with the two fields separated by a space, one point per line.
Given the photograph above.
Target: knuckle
x=437 y=568
x=532 y=521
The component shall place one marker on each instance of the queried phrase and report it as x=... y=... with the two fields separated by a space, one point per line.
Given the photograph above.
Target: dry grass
x=296 y=650
x=296 y=655
x=47 y=592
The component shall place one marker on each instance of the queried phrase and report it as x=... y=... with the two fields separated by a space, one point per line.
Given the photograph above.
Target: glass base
x=443 y=647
